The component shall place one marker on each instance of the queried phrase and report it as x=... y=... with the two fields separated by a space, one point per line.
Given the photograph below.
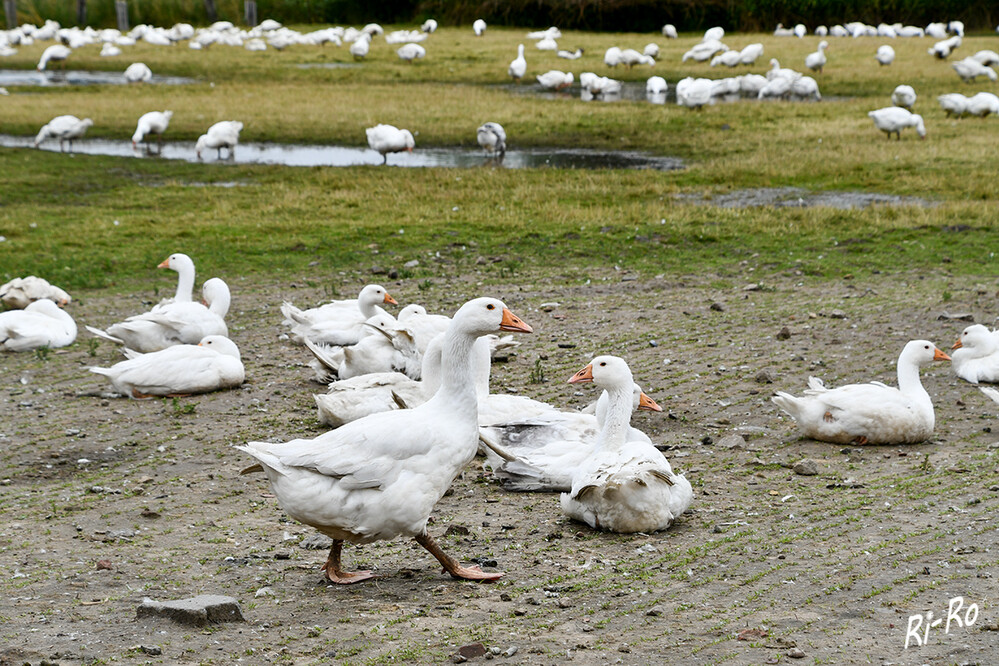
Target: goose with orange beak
x=338 y=323
x=627 y=485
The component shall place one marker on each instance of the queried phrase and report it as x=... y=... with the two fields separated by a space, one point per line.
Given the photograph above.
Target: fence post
x=10 y=9
x=210 y=9
x=250 y=13
x=81 y=13
x=121 y=13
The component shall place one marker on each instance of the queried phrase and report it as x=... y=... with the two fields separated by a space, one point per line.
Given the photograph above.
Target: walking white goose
x=627 y=485
x=41 y=324
x=817 y=60
x=492 y=137
x=381 y=476
x=750 y=54
x=20 y=292
x=223 y=134
x=975 y=355
x=894 y=119
x=389 y=139
x=63 y=128
x=518 y=66
x=212 y=364
x=904 y=96
x=154 y=122
x=869 y=413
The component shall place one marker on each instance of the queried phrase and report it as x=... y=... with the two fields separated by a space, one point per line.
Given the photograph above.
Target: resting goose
x=555 y=80
x=184 y=267
x=975 y=355
x=379 y=477
x=154 y=122
x=223 y=134
x=338 y=322
x=894 y=119
x=518 y=66
x=904 y=96
x=626 y=486
x=41 y=324
x=869 y=413
x=410 y=52
x=492 y=137
x=389 y=139
x=21 y=292
x=212 y=364
x=570 y=55
x=885 y=55
x=174 y=323
x=63 y=128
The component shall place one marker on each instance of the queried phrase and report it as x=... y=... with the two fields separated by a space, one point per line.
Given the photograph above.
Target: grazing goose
x=631 y=57
x=223 y=134
x=776 y=88
x=945 y=47
x=612 y=56
x=380 y=477
x=410 y=52
x=20 y=292
x=894 y=119
x=652 y=50
x=359 y=47
x=704 y=51
x=954 y=104
x=492 y=137
x=982 y=104
x=869 y=413
x=750 y=54
x=656 y=85
x=669 y=31
x=338 y=322
x=555 y=80
x=693 y=93
x=479 y=27
x=570 y=55
x=728 y=58
x=817 y=60
x=806 y=88
x=986 y=57
x=54 y=53
x=969 y=69
x=212 y=364
x=430 y=25
x=518 y=66
x=975 y=355
x=138 y=72
x=41 y=324
x=173 y=323
x=389 y=139
x=627 y=485
x=885 y=55
x=154 y=122
x=904 y=96
x=64 y=128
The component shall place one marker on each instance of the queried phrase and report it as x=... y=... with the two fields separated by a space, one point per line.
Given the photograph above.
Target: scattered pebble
x=806 y=467
x=784 y=333
x=796 y=653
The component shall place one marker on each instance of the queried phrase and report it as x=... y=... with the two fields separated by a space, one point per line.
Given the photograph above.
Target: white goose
x=337 y=322
x=410 y=52
x=904 y=96
x=174 y=323
x=389 y=139
x=817 y=60
x=669 y=31
x=627 y=485
x=479 y=27
x=555 y=80
x=154 y=122
x=20 y=292
x=982 y=104
x=869 y=413
x=183 y=265
x=138 y=72
x=954 y=104
x=693 y=93
x=885 y=55
x=360 y=47
x=894 y=119
x=212 y=364
x=223 y=134
x=975 y=355
x=54 y=53
x=379 y=477
x=969 y=69
x=518 y=66
x=570 y=55
x=64 y=128
x=41 y=324
x=751 y=53
x=656 y=85
x=492 y=137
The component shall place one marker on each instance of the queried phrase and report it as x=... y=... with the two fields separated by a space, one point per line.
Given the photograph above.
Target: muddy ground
x=108 y=501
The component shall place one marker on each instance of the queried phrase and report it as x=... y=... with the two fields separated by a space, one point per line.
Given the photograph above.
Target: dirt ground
x=109 y=501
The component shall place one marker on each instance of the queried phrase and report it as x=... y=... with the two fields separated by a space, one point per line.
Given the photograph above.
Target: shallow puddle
x=796 y=197
x=73 y=77
x=339 y=156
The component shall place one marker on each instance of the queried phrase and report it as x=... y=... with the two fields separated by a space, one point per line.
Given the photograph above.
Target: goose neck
x=614 y=432
x=185 y=283
x=457 y=388
x=908 y=378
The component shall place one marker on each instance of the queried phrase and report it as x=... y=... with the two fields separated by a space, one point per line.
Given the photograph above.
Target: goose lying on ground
x=21 y=292
x=41 y=324
x=869 y=413
x=381 y=476
x=338 y=322
x=975 y=355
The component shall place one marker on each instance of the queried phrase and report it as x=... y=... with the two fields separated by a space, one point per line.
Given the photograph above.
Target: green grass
x=58 y=212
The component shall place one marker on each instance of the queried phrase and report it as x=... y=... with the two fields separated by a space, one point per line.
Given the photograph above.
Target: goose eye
x=490 y=307
x=603 y=364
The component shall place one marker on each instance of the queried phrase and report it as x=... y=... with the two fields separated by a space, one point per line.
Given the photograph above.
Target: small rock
x=566 y=345
x=104 y=565
x=458 y=659
x=510 y=651
x=766 y=376
x=377 y=270
x=152 y=650
x=197 y=611
x=316 y=542
x=784 y=333
x=806 y=467
x=752 y=287
x=655 y=611
x=796 y=653
x=411 y=264
x=961 y=316
x=472 y=650
x=718 y=307
x=837 y=314
x=456 y=530
x=564 y=603
x=732 y=442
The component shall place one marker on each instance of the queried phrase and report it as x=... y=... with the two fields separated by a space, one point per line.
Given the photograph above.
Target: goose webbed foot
x=335 y=574
x=451 y=565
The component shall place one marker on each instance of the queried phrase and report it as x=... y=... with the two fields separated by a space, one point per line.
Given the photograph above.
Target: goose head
x=215 y=295
x=177 y=262
x=978 y=338
x=921 y=352
x=482 y=316
x=607 y=372
x=375 y=294
x=220 y=344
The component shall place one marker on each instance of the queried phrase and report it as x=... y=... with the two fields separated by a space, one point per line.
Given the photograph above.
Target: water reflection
x=340 y=156
x=74 y=77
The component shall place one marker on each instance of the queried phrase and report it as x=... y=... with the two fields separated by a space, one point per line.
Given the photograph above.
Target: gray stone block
x=197 y=611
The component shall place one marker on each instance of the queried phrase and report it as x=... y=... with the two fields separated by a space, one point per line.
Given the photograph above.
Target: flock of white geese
x=409 y=405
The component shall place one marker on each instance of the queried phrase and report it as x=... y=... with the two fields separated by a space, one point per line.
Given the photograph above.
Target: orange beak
x=940 y=356
x=512 y=322
x=957 y=345
x=584 y=375
x=389 y=299
x=165 y=263
x=648 y=404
